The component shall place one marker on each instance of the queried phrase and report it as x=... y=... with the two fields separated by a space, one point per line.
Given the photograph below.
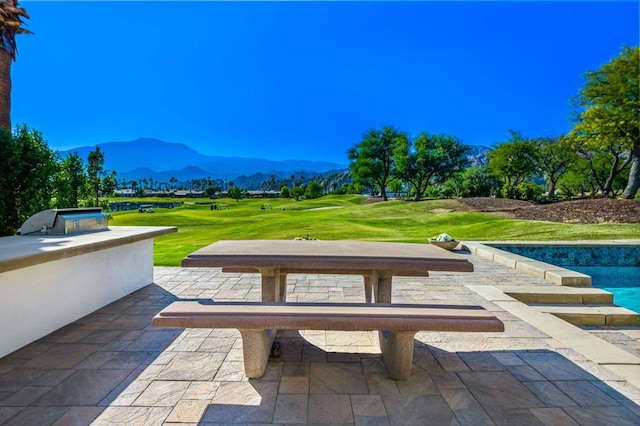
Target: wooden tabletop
x=328 y=256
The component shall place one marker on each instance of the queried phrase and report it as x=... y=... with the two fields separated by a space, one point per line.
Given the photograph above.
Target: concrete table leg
x=256 y=347
x=271 y=291
x=370 y=281
x=382 y=287
x=283 y=288
x=397 y=352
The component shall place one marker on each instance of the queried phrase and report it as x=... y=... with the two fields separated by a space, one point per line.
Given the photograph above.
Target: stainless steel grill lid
x=65 y=221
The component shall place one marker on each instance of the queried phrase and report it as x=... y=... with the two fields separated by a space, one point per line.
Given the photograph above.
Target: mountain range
x=152 y=158
x=144 y=158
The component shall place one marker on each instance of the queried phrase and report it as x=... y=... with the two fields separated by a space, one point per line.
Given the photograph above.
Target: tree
x=8 y=215
x=477 y=181
x=314 y=190
x=172 y=182
x=235 y=193
x=608 y=117
x=431 y=159
x=396 y=186
x=597 y=170
x=372 y=161
x=514 y=161
x=211 y=189
x=95 y=170
x=10 y=24
x=109 y=184
x=284 y=191
x=35 y=171
x=26 y=183
x=71 y=181
x=556 y=156
x=578 y=181
x=453 y=187
x=605 y=166
x=99 y=180
x=296 y=192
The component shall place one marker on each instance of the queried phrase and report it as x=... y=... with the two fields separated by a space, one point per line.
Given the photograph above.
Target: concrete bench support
x=259 y=322
x=256 y=347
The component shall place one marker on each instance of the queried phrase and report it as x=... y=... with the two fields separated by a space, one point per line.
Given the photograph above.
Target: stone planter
x=447 y=245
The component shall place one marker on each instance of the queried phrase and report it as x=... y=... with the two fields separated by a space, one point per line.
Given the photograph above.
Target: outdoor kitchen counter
x=21 y=251
x=48 y=281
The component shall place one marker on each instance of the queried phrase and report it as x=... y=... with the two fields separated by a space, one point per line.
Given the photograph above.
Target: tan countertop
x=27 y=250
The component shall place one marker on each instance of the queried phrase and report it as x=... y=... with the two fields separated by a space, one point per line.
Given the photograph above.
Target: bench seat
x=258 y=323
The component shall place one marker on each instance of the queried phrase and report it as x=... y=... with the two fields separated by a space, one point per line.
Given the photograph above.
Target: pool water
x=617 y=270
x=622 y=281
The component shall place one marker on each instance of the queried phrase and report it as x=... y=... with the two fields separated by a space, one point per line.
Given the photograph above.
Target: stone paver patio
x=112 y=367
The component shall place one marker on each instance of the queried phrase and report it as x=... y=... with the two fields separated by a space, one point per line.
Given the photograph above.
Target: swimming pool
x=622 y=281
x=614 y=268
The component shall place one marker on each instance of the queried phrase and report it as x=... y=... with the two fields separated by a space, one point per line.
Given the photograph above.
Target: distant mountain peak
x=131 y=159
x=152 y=143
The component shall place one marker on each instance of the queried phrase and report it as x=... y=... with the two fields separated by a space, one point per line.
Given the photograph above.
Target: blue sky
x=303 y=80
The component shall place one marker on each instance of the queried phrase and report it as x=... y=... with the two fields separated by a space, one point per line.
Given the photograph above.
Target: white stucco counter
x=49 y=281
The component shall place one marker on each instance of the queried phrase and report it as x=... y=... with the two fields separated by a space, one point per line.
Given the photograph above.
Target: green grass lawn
x=344 y=218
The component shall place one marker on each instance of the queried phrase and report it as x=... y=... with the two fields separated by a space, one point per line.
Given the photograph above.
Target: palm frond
x=11 y=23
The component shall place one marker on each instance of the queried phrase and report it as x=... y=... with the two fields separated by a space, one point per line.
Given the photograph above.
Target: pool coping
x=605 y=354
x=546 y=271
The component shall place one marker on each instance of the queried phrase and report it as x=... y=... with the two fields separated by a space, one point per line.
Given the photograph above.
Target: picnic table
x=377 y=262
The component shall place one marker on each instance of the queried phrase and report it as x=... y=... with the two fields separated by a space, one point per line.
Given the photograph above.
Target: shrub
x=526 y=191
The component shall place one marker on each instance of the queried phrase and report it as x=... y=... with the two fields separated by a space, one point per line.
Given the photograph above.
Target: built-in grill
x=65 y=221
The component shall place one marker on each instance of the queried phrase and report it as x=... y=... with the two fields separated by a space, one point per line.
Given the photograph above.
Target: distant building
x=128 y=192
x=263 y=194
x=125 y=192
x=188 y=193
x=159 y=193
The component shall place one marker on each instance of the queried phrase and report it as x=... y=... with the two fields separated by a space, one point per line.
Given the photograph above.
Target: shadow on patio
x=112 y=367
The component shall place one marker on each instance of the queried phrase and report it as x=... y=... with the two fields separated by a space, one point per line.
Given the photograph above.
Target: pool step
x=595 y=315
x=576 y=305
x=559 y=294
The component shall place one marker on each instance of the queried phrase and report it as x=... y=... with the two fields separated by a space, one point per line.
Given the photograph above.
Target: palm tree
x=10 y=24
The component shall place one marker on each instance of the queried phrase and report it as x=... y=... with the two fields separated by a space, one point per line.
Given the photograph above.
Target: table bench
x=258 y=323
